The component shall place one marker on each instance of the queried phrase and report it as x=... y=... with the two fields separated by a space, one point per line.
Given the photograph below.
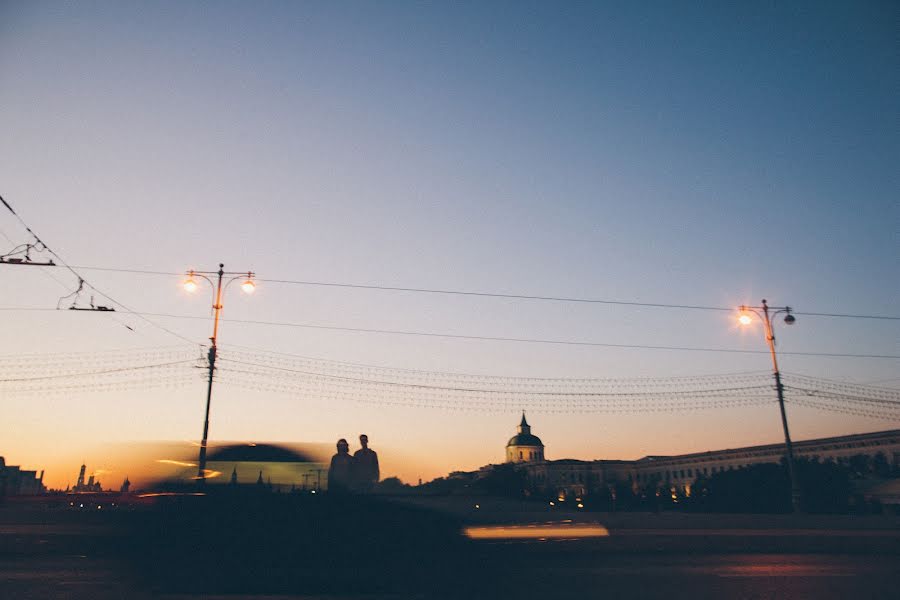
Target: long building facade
x=584 y=477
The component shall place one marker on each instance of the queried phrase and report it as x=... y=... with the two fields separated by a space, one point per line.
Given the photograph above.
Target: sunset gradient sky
x=712 y=154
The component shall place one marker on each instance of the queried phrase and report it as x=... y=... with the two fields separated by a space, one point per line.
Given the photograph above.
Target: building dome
x=524 y=446
x=524 y=439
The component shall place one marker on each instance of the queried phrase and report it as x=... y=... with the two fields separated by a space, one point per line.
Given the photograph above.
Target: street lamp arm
x=246 y=276
x=200 y=274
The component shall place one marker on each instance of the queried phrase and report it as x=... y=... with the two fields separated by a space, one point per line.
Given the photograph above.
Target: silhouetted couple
x=353 y=473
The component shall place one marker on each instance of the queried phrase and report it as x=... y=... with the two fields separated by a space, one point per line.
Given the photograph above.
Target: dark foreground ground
x=289 y=547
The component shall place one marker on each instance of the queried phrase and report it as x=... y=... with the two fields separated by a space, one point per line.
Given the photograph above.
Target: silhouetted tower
x=80 y=483
x=524 y=446
x=126 y=485
x=259 y=480
x=234 y=476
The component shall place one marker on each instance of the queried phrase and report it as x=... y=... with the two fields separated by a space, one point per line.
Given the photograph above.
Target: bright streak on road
x=178 y=463
x=167 y=494
x=542 y=531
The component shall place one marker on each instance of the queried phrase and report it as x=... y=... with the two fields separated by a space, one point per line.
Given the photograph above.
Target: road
x=61 y=555
x=635 y=575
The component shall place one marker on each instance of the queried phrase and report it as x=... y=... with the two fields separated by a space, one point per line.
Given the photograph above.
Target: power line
x=491 y=338
x=101 y=372
x=508 y=296
x=136 y=271
x=524 y=340
x=82 y=280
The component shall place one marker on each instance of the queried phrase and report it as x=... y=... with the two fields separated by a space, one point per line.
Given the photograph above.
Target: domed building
x=524 y=447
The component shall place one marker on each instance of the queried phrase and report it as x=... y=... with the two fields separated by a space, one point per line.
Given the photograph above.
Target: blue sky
x=710 y=154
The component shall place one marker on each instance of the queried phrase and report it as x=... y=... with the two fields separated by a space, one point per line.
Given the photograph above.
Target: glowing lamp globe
x=745 y=319
x=248 y=286
x=190 y=285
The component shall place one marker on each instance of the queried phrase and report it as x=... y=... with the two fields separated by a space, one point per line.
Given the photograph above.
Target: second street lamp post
x=746 y=319
x=248 y=286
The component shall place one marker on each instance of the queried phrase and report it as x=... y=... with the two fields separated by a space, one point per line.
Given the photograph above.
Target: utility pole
x=248 y=286
x=789 y=319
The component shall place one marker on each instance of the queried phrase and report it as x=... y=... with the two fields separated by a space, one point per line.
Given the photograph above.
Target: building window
x=520 y=455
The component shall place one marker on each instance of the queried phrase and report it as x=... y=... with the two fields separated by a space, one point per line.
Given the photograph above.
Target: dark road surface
x=64 y=555
x=630 y=576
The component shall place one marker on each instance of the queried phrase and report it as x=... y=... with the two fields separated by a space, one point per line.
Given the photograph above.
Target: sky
x=709 y=154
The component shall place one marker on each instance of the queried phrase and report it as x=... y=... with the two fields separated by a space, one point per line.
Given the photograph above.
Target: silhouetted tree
x=824 y=487
x=880 y=465
x=859 y=465
x=503 y=480
x=391 y=485
x=766 y=488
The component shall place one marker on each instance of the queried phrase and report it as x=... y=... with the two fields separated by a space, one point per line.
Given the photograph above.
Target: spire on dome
x=524 y=427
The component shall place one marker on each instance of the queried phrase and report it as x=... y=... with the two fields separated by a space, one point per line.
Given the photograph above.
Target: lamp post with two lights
x=763 y=313
x=248 y=286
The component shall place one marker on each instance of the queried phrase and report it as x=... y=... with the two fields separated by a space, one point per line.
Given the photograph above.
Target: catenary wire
x=508 y=296
x=488 y=338
x=87 y=283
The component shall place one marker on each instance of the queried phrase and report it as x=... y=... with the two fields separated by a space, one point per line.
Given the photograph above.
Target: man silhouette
x=365 y=465
x=340 y=473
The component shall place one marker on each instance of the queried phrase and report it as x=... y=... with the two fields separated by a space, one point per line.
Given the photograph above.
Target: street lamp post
x=746 y=319
x=248 y=286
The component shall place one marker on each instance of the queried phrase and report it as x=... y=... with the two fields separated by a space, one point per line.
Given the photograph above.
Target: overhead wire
x=525 y=340
x=82 y=281
x=501 y=295
x=485 y=337
x=93 y=373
